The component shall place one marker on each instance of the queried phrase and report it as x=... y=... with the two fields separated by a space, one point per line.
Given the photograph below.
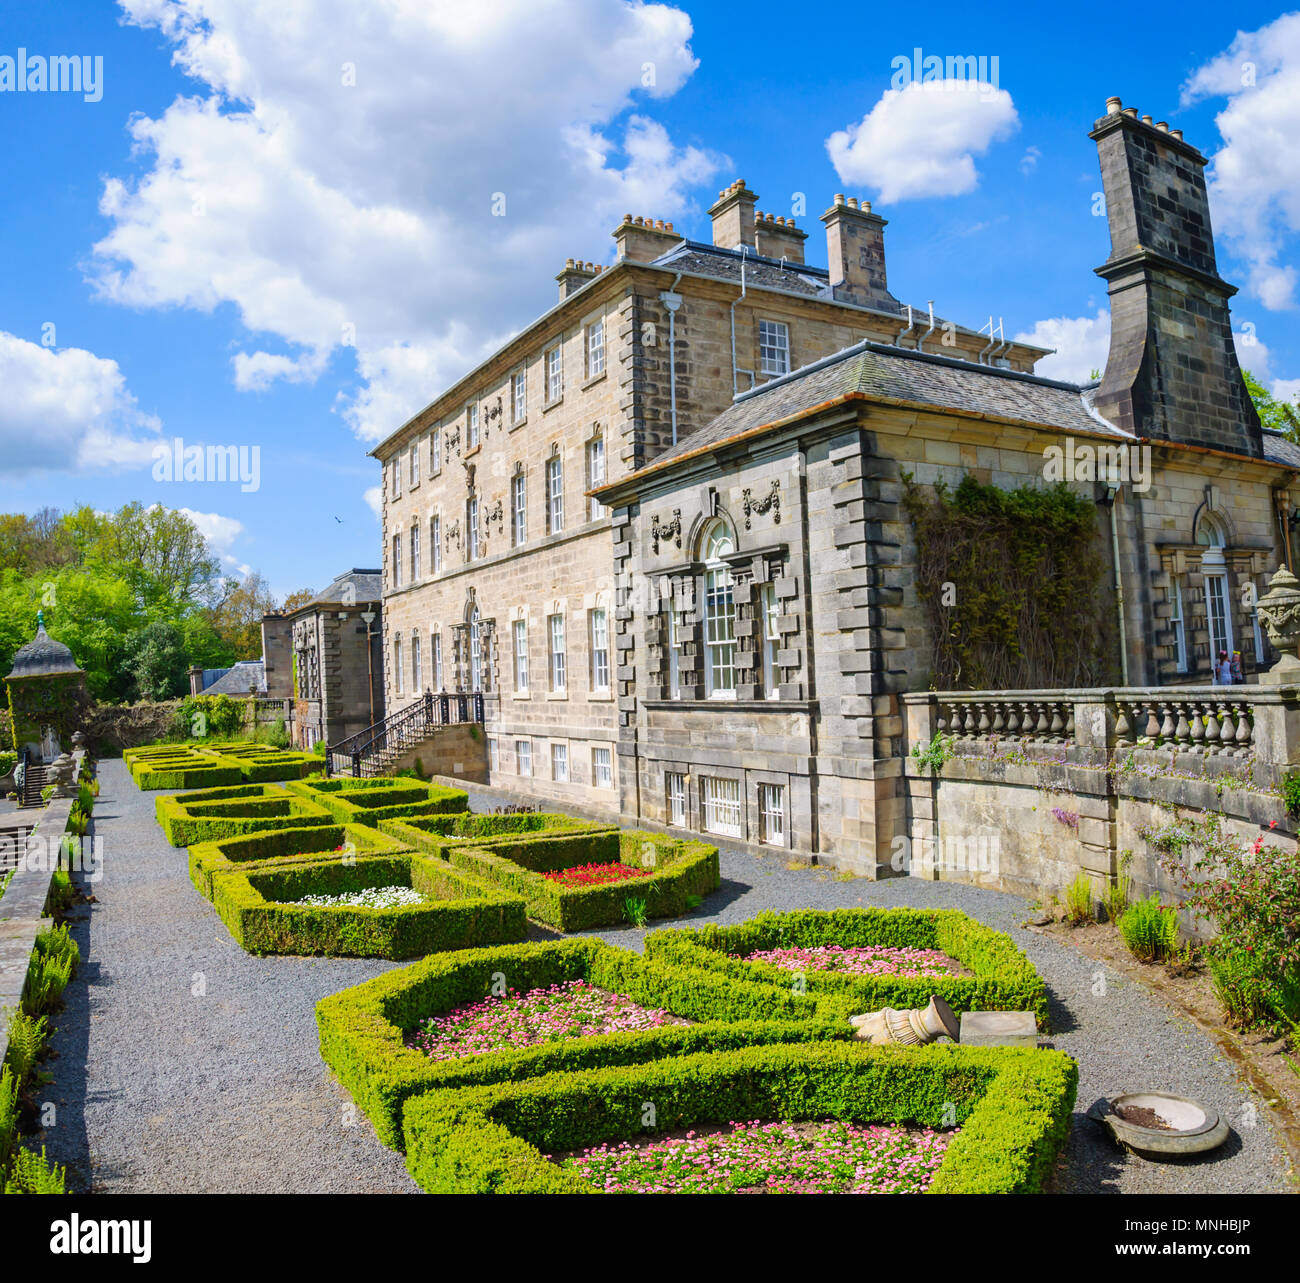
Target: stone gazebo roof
x=42 y=656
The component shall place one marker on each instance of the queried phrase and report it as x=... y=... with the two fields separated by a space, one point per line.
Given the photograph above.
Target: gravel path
x=161 y=1088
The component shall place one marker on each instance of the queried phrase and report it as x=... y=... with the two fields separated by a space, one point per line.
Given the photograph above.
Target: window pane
x=722 y=806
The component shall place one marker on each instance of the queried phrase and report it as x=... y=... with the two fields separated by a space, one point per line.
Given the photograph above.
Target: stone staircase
x=377 y=749
x=34 y=780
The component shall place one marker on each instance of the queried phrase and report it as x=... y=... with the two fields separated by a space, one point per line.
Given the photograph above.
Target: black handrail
x=403 y=729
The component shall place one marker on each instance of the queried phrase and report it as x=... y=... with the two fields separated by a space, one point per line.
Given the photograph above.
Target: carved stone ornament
x=770 y=500
x=673 y=530
x=1279 y=612
x=912 y=1028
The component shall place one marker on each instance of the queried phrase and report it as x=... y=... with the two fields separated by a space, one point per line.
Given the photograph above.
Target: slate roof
x=1281 y=449
x=237 y=680
x=367 y=584
x=43 y=656
x=879 y=371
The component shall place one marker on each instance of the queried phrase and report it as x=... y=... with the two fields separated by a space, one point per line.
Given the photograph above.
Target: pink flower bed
x=859 y=960
x=771 y=1158
x=594 y=875
x=572 y=1010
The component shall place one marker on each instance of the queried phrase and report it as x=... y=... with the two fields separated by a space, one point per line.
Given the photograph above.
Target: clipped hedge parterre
x=363 y=1029
x=205 y=818
x=1013 y=1106
x=257 y=905
x=1004 y=979
x=377 y=798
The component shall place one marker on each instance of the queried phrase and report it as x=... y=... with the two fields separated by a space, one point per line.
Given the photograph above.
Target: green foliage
x=10 y=1088
x=217 y=716
x=378 y=798
x=33 y=1173
x=47 y=978
x=26 y=1041
x=60 y=892
x=56 y=942
x=1078 y=899
x=934 y=754
x=362 y=1029
x=1003 y=980
x=1281 y=416
x=276 y=735
x=1244 y=994
x=1150 y=930
x=272 y=848
x=1013 y=1106
x=8 y=761
x=634 y=909
x=203 y=820
x=681 y=869
x=459 y=912
x=1291 y=792
x=1012 y=581
x=1249 y=891
x=1119 y=892
x=156 y=660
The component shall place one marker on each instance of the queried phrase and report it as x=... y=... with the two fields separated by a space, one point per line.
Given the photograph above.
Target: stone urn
x=61 y=773
x=912 y=1028
x=1279 y=612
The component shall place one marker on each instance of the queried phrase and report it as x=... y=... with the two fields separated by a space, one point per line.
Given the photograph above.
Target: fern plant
x=1150 y=930
x=26 y=1038
x=1078 y=900
x=33 y=1173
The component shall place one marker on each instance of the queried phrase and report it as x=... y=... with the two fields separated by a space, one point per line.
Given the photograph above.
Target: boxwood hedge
x=275 y=847
x=1013 y=1106
x=1004 y=979
x=159 y=766
x=257 y=904
x=377 y=798
x=206 y=819
x=363 y=1029
x=434 y=833
x=682 y=870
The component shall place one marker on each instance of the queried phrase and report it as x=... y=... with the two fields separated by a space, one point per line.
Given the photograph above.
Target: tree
x=1281 y=416
x=156 y=659
x=300 y=598
x=238 y=620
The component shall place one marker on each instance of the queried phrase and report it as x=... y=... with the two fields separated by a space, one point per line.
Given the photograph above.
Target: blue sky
x=274 y=227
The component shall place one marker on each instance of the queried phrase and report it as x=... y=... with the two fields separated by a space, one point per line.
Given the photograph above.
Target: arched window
x=717 y=542
x=1211 y=536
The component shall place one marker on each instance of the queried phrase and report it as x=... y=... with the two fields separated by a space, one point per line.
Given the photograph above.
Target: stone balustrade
x=1221 y=728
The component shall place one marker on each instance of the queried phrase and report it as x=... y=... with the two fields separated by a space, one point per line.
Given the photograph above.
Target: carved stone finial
x=1279 y=612
x=912 y=1028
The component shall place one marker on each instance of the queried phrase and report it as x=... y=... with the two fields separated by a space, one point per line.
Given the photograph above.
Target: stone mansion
x=662 y=528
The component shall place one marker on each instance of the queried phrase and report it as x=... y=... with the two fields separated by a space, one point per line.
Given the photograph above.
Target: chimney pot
x=853 y=202
x=1176 y=133
x=1163 y=126
x=839 y=198
x=1131 y=111
x=1146 y=120
x=568 y=262
x=1114 y=106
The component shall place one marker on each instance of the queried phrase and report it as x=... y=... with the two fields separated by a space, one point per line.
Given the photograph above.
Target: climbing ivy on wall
x=1013 y=583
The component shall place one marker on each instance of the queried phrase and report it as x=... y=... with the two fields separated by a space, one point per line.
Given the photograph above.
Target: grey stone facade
x=328 y=659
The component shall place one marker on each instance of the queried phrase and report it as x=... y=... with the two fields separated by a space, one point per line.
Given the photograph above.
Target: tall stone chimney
x=777 y=237
x=1172 y=371
x=643 y=239
x=855 y=252
x=733 y=217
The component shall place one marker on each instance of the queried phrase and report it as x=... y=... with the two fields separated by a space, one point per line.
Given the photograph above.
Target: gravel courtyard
x=185 y=1065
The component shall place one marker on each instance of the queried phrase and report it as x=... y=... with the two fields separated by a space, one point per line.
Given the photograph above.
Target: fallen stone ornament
x=1190 y=1126
x=910 y=1028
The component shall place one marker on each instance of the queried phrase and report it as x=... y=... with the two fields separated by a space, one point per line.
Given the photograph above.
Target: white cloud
x=220 y=532
x=334 y=177
x=1286 y=389
x=1029 y=161
x=374 y=500
x=1255 y=181
x=1081 y=344
x=67 y=410
x=922 y=139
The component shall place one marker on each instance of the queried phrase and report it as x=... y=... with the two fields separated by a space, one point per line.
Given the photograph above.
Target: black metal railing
x=370 y=751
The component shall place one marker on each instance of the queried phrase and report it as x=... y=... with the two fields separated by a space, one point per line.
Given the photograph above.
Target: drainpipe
x=1112 y=493
x=907 y=329
x=744 y=250
x=920 y=342
x=672 y=301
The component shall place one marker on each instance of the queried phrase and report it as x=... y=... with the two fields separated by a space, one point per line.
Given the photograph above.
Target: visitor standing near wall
x=1238 y=674
x=1223 y=670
